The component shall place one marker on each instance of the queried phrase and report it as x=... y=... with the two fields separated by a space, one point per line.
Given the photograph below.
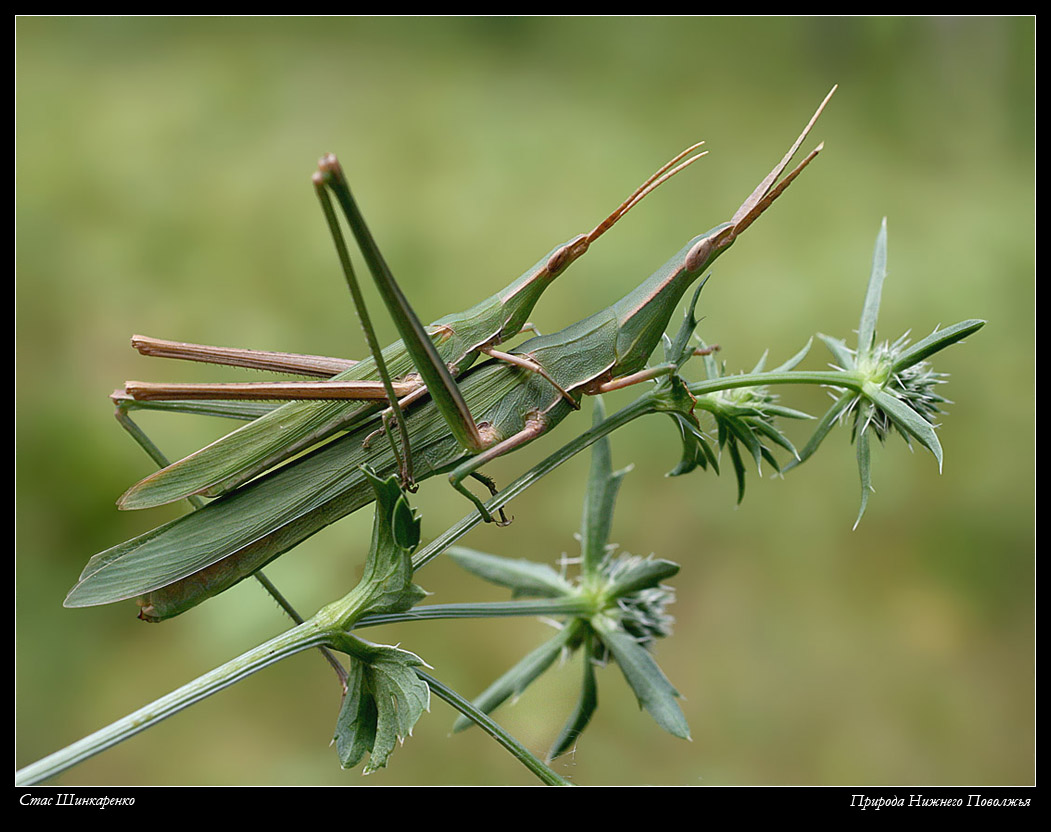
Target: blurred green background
x=163 y=187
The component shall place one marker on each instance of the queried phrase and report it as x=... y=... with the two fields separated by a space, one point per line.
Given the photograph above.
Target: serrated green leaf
x=405 y=525
x=385 y=698
x=356 y=724
x=401 y=699
x=386 y=584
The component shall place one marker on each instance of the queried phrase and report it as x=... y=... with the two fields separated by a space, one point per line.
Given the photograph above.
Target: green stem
x=318 y=631
x=493 y=729
x=159 y=458
x=647 y=403
x=494 y=609
x=831 y=378
x=293 y=641
x=643 y=405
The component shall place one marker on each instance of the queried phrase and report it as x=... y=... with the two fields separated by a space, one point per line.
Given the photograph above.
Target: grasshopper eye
x=568 y=253
x=698 y=256
x=557 y=260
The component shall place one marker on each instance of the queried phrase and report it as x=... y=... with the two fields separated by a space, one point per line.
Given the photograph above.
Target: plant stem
x=642 y=406
x=495 y=609
x=647 y=403
x=831 y=378
x=293 y=641
x=321 y=629
x=493 y=729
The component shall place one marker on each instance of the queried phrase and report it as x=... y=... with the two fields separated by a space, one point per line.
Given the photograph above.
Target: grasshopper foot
x=486 y=516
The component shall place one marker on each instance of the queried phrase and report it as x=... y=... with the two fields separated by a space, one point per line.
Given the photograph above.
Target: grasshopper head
x=720 y=238
x=708 y=247
x=564 y=255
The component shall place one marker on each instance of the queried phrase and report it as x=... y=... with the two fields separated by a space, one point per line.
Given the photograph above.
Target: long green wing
x=207 y=551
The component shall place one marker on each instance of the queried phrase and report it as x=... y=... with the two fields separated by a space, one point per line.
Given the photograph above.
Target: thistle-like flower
x=914 y=385
x=640 y=612
x=746 y=417
x=745 y=414
x=893 y=385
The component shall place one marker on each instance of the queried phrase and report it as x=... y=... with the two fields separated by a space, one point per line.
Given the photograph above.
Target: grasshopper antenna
x=666 y=172
x=760 y=199
x=763 y=196
x=574 y=249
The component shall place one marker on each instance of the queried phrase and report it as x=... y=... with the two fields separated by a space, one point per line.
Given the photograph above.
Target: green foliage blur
x=163 y=187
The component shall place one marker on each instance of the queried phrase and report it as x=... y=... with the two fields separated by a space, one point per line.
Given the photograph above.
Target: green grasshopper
x=187 y=560
x=354 y=391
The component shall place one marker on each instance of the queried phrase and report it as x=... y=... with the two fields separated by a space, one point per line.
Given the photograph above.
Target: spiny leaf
x=651 y=687
x=600 y=498
x=844 y=357
x=522 y=577
x=832 y=415
x=865 y=472
x=870 y=310
x=696 y=452
x=518 y=678
x=795 y=360
x=587 y=704
x=935 y=342
x=909 y=421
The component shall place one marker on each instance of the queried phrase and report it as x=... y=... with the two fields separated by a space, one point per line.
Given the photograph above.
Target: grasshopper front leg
x=535 y=425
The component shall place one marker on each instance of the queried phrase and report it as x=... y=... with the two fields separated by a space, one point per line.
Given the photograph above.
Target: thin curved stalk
x=493 y=729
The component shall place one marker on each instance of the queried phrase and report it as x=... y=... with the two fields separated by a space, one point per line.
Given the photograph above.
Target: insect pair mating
x=441 y=410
